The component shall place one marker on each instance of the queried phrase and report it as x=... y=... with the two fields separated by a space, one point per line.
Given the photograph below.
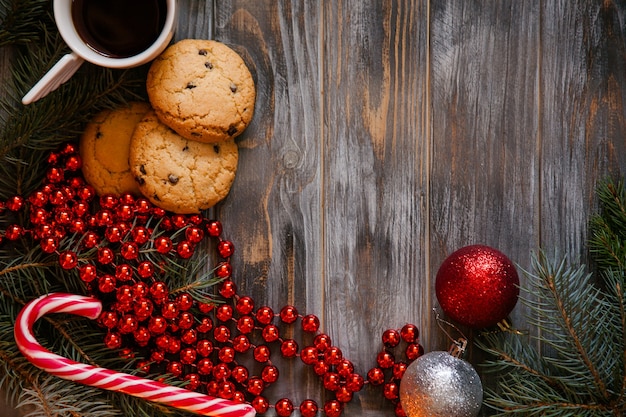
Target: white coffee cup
x=82 y=51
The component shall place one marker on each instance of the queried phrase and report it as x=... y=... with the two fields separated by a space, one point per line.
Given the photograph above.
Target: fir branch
x=19 y=18
x=584 y=328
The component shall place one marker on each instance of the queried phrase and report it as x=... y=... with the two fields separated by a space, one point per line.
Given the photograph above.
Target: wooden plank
x=375 y=144
x=583 y=84
x=485 y=128
x=273 y=213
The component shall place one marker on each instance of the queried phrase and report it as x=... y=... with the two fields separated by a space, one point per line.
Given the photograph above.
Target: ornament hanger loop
x=457 y=349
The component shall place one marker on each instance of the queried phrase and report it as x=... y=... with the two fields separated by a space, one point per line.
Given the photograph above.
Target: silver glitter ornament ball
x=438 y=384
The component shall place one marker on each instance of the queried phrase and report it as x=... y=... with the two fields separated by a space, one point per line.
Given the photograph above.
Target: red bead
x=260 y=404
x=414 y=351
x=270 y=333
x=105 y=255
x=322 y=342
x=129 y=250
x=399 y=411
x=113 y=340
x=221 y=371
x=113 y=234
x=145 y=269
x=185 y=249
x=333 y=408
x=125 y=294
x=109 y=319
x=289 y=348
x=38 y=199
x=204 y=347
x=333 y=355
x=310 y=323
x=86 y=193
x=91 y=240
x=194 y=234
x=355 y=382
x=223 y=270
x=175 y=368
x=14 y=232
x=163 y=244
x=188 y=356
x=227 y=390
x=224 y=312
x=179 y=221
x=206 y=308
x=143 y=206
x=189 y=337
x=163 y=341
x=269 y=374
x=204 y=366
x=15 y=203
x=128 y=324
x=185 y=320
x=228 y=289
x=106 y=283
x=376 y=376
x=284 y=407
x=391 y=391
x=169 y=310
x=245 y=324
x=391 y=338
x=214 y=228
x=409 y=333
x=308 y=408
x=225 y=248
x=184 y=301
x=240 y=374
x=159 y=291
x=385 y=359
x=398 y=370
x=142 y=336
x=264 y=315
x=289 y=314
x=226 y=354
x=241 y=343
x=140 y=235
x=55 y=175
x=331 y=381
x=205 y=326
x=344 y=368
x=38 y=216
x=49 y=244
x=221 y=334
x=245 y=305
x=157 y=325
x=343 y=394
x=140 y=289
x=321 y=367
x=262 y=354
x=174 y=345
x=309 y=355
x=193 y=382
x=123 y=272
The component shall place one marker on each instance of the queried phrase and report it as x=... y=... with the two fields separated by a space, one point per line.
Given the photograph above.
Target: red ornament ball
x=477 y=286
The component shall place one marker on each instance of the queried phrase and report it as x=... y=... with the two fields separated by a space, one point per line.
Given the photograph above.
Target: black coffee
x=119 y=28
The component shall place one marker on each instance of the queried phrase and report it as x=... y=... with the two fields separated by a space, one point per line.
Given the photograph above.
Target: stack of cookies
x=179 y=150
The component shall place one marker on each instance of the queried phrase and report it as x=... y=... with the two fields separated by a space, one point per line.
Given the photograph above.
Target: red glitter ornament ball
x=477 y=286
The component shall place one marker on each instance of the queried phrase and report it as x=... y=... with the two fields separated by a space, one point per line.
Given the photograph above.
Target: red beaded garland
x=134 y=242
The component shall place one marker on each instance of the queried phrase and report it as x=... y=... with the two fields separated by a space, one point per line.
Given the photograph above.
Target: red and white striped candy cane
x=104 y=378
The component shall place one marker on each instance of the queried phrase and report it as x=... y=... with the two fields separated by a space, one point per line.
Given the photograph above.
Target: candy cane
x=104 y=378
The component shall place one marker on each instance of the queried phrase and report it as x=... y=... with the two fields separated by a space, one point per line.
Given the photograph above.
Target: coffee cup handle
x=57 y=75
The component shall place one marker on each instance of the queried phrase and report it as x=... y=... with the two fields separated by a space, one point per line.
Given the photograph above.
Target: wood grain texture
x=388 y=134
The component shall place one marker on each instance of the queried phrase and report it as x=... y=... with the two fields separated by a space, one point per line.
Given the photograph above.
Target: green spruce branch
x=578 y=318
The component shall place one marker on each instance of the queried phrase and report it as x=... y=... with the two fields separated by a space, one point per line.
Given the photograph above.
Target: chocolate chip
x=232 y=130
x=156 y=197
x=99 y=134
x=173 y=179
x=190 y=85
x=208 y=65
x=202 y=52
x=216 y=148
x=233 y=87
x=186 y=148
x=142 y=169
x=140 y=180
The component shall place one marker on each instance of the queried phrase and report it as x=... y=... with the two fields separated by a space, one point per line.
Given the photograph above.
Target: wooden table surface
x=388 y=134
